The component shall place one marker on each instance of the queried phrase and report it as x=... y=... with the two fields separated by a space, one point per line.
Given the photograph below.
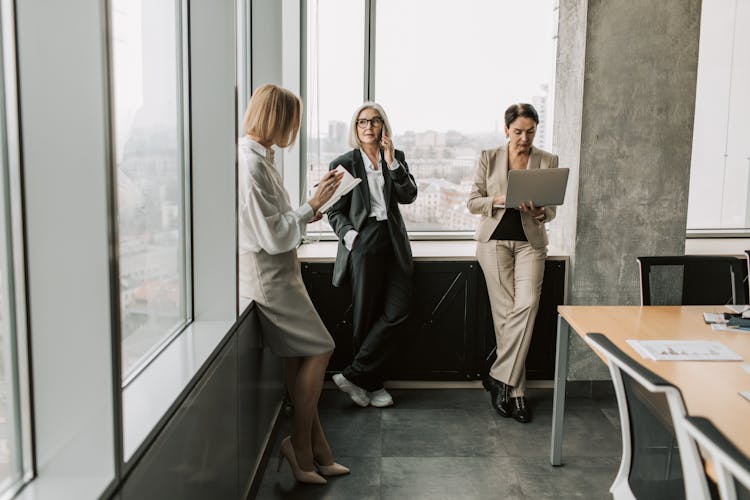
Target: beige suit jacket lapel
x=499 y=175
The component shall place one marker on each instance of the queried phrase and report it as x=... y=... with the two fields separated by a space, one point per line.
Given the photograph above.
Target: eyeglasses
x=375 y=121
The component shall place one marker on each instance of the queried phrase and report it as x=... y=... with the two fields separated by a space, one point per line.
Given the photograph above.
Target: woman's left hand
x=536 y=212
x=388 y=149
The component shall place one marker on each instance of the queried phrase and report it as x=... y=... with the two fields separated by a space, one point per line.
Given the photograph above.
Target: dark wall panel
x=449 y=335
x=540 y=362
x=260 y=393
x=195 y=456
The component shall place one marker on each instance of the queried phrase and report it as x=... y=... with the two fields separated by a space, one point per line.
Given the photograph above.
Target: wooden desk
x=709 y=388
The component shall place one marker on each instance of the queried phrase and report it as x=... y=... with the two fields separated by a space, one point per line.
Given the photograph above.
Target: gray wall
x=267 y=42
x=628 y=140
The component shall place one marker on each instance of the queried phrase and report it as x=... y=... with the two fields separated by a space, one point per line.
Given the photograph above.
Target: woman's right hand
x=498 y=200
x=326 y=187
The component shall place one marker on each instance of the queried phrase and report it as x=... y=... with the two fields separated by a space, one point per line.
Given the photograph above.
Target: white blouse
x=266 y=220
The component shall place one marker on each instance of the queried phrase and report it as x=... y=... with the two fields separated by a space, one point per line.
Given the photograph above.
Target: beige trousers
x=513 y=271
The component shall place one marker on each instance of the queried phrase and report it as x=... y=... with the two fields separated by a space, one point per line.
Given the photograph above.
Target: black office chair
x=693 y=280
x=731 y=465
x=652 y=441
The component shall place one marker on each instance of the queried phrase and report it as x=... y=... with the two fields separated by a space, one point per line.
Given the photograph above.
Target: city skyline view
x=443 y=75
x=442 y=162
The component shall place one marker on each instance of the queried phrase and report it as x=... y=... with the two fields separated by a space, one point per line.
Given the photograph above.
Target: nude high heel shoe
x=286 y=451
x=332 y=470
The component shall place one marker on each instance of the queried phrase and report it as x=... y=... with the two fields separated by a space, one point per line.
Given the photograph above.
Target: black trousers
x=382 y=293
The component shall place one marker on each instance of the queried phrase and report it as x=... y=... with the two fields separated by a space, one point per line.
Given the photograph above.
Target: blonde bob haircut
x=273 y=114
x=353 y=137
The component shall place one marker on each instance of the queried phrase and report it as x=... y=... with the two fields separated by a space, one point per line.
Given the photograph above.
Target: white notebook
x=348 y=182
x=684 y=350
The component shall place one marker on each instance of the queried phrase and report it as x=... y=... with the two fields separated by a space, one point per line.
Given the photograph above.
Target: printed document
x=684 y=350
x=348 y=182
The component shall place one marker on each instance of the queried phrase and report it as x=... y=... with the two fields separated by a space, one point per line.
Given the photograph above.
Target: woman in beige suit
x=511 y=249
x=269 y=233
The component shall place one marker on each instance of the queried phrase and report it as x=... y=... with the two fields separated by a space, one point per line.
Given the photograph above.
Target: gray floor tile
x=436 y=444
x=363 y=483
x=449 y=478
x=613 y=415
x=580 y=477
x=353 y=433
x=588 y=433
x=440 y=433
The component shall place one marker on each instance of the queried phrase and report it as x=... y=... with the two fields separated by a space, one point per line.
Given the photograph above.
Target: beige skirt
x=289 y=322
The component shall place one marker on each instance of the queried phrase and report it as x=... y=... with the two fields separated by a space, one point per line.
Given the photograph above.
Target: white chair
x=731 y=465
x=653 y=443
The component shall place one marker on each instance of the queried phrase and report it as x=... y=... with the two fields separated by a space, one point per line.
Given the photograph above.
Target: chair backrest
x=693 y=280
x=654 y=463
x=731 y=465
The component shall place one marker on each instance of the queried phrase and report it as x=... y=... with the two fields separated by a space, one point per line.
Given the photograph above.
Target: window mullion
x=369 y=86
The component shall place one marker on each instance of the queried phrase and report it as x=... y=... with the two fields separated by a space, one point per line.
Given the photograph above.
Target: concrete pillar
x=625 y=99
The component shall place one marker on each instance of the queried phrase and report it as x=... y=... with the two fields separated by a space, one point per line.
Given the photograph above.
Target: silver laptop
x=544 y=186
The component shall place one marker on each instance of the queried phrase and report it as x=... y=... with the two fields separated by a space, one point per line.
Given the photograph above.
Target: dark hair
x=521 y=109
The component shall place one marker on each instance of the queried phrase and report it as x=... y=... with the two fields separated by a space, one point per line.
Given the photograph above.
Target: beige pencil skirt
x=289 y=322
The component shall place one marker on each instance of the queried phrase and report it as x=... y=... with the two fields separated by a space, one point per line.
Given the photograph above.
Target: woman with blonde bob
x=269 y=233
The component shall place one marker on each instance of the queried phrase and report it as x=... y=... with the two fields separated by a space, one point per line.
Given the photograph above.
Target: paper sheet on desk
x=714 y=318
x=719 y=327
x=740 y=309
x=745 y=394
x=684 y=350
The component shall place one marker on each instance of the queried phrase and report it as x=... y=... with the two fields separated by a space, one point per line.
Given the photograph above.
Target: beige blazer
x=491 y=180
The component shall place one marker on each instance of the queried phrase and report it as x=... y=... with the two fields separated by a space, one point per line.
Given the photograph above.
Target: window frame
x=369 y=94
x=712 y=103
x=184 y=179
x=19 y=397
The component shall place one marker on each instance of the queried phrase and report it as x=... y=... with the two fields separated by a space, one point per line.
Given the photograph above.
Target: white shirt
x=266 y=220
x=375 y=183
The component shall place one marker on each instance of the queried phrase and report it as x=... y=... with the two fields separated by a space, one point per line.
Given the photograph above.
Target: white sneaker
x=355 y=392
x=380 y=398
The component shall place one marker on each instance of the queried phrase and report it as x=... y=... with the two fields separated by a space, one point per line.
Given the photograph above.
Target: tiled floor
x=450 y=444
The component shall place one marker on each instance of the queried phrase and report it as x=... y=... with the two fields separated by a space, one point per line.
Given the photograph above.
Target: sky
x=440 y=64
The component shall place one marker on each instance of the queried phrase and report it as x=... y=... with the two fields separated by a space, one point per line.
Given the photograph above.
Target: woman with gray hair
x=373 y=251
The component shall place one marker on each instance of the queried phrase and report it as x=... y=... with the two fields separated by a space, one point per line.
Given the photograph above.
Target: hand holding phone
x=388 y=149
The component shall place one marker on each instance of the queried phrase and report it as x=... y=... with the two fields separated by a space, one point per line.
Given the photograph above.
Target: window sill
x=147 y=399
x=424 y=250
x=64 y=488
x=718 y=233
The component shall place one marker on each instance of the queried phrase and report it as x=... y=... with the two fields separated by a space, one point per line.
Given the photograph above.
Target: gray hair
x=353 y=137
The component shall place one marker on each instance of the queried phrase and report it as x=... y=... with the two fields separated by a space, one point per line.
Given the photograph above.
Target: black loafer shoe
x=498 y=396
x=520 y=410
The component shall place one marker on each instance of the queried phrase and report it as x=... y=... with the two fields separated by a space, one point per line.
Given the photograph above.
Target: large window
x=15 y=456
x=445 y=72
x=335 y=80
x=147 y=55
x=720 y=167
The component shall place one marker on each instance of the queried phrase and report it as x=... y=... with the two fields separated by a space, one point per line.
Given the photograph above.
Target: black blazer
x=352 y=210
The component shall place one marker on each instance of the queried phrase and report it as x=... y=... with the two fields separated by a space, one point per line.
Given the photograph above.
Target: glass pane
x=720 y=163
x=11 y=441
x=146 y=50
x=8 y=438
x=445 y=73
x=335 y=82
